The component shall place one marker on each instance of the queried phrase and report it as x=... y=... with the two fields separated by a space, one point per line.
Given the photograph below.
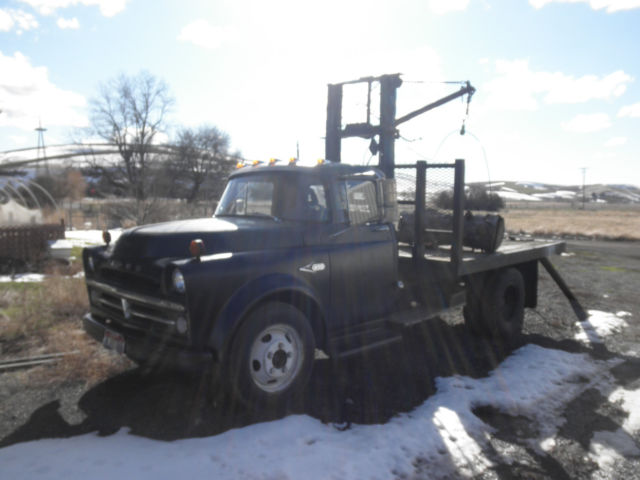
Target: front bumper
x=148 y=350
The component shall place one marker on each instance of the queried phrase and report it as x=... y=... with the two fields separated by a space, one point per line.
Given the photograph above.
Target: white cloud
x=610 y=5
x=441 y=7
x=68 y=23
x=630 y=111
x=615 y=142
x=588 y=123
x=10 y=18
x=203 y=34
x=108 y=8
x=27 y=96
x=517 y=87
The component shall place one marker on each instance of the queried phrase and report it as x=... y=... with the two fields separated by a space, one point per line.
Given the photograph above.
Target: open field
x=605 y=224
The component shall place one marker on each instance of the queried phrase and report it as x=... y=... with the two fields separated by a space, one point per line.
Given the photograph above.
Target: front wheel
x=271 y=355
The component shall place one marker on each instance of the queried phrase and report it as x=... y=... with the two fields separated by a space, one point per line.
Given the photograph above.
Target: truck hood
x=220 y=235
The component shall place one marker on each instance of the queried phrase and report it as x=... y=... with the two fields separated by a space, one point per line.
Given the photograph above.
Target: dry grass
x=602 y=224
x=45 y=318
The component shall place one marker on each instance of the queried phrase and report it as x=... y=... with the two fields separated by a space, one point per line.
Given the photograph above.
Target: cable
x=484 y=153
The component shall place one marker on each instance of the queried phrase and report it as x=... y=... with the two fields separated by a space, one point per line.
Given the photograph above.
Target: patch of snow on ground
x=630 y=402
x=87 y=238
x=443 y=433
x=23 y=277
x=609 y=447
x=517 y=196
x=599 y=325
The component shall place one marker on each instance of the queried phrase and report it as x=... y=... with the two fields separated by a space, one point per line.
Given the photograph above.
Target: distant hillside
x=538 y=192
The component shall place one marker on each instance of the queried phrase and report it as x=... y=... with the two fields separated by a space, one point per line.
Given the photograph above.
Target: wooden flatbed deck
x=510 y=253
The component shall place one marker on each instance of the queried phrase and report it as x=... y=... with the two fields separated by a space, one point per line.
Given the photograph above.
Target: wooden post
x=333 y=136
x=388 y=92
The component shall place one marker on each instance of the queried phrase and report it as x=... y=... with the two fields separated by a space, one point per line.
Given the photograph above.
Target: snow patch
x=87 y=238
x=629 y=402
x=599 y=325
x=23 y=278
x=518 y=196
x=609 y=448
x=443 y=433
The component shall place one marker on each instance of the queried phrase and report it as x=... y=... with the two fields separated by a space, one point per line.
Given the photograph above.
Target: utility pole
x=584 y=196
x=41 y=147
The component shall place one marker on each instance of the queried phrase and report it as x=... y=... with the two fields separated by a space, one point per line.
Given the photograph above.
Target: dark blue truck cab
x=298 y=261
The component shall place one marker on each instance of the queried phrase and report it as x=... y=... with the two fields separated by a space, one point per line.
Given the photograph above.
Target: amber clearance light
x=196 y=248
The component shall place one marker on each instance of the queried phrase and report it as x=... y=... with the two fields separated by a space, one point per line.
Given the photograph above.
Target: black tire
x=271 y=356
x=503 y=305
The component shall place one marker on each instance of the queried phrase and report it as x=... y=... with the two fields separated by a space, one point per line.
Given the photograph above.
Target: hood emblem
x=313 y=268
x=126 y=309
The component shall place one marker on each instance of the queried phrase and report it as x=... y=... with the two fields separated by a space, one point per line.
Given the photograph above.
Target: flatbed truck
x=298 y=260
x=301 y=262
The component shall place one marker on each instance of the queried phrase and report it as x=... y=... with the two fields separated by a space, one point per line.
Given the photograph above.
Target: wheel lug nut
x=281 y=346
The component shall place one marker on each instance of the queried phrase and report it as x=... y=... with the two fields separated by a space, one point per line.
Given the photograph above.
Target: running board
x=360 y=342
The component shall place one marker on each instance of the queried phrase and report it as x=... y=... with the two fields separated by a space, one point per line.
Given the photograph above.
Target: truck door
x=363 y=255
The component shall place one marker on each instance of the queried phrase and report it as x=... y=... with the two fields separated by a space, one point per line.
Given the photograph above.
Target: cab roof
x=321 y=169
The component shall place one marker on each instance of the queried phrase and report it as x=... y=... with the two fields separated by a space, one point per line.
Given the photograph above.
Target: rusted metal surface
x=28 y=243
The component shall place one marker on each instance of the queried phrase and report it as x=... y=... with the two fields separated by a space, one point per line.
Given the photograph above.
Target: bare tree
x=201 y=162
x=129 y=113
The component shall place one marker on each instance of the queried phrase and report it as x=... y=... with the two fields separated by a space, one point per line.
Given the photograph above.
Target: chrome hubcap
x=276 y=357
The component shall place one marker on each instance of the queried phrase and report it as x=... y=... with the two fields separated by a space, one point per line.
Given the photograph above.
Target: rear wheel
x=503 y=305
x=271 y=355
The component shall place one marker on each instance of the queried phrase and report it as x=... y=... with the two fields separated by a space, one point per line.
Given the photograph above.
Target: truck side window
x=315 y=202
x=304 y=201
x=361 y=201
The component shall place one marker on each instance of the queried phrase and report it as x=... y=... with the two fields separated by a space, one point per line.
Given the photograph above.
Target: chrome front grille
x=136 y=311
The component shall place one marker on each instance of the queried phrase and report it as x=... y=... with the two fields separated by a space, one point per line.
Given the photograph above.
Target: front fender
x=250 y=295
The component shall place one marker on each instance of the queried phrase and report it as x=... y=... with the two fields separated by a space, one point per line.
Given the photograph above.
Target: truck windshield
x=283 y=197
x=248 y=196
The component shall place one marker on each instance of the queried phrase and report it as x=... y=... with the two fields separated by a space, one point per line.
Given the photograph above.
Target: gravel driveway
x=605 y=276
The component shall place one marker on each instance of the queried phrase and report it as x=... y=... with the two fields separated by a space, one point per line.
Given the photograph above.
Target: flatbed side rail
x=424 y=193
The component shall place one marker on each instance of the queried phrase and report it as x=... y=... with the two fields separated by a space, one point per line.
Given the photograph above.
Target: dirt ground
x=604 y=276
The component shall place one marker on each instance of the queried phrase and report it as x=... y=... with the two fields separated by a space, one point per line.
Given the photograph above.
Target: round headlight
x=178 y=281
x=181 y=325
x=91 y=263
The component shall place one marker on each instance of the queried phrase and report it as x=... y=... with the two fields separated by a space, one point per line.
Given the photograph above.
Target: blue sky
x=558 y=80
